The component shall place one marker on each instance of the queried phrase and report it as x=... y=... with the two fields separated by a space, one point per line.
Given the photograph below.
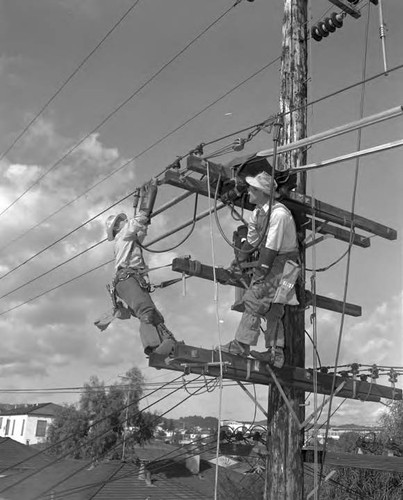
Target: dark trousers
x=142 y=307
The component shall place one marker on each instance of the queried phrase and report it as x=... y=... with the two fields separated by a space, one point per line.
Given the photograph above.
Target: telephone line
x=69 y=436
x=64 y=455
x=69 y=78
x=118 y=108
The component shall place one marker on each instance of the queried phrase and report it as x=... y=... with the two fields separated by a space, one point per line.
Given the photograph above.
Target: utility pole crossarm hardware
x=191 y=359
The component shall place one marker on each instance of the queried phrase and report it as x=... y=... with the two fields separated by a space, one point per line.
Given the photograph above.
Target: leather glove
x=148 y=195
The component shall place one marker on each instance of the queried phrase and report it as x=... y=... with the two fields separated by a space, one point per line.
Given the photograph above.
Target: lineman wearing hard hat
x=131 y=280
x=273 y=279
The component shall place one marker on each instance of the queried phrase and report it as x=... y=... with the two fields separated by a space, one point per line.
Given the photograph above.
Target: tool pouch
x=285 y=293
x=126 y=273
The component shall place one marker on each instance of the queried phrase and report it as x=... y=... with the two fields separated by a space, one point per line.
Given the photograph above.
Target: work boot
x=235 y=347
x=164 y=332
x=166 y=347
x=274 y=356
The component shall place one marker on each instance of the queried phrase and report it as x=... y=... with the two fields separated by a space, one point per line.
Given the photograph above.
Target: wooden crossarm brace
x=299 y=203
x=312 y=415
x=283 y=395
x=225 y=277
x=252 y=398
x=347 y=8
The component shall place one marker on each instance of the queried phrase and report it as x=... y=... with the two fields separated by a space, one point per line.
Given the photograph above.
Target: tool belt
x=125 y=273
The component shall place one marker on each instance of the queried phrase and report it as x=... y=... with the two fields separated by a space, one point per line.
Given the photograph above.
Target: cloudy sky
x=66 y=145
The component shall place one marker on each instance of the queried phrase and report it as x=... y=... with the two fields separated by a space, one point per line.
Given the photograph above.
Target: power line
x=64 y=455
x=120 y=106
x=158 y=141
x=69 y=78
x=114 y=447
x=96 y=422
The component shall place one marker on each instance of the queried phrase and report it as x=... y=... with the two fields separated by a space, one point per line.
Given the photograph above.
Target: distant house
x=27 y=424
x=160 y=474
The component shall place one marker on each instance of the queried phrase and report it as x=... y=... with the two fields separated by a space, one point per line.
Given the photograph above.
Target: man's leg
x=274 y=334
x=144 y=309
x=248 y=330
x=274 y=337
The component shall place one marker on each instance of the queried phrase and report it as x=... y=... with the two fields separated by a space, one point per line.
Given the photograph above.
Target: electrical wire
x=186 y=237
x=64 y=455
x=355 y=185
x=52 y=269
x=63 y=85
x=120 y=106
x=157 y=142
x=64 y=479
x=69 y=436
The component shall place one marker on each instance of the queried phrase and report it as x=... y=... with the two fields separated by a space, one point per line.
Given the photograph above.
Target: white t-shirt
x=127 y=252
x=282 y=233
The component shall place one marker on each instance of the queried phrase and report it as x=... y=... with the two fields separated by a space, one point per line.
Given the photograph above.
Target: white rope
x=218 y=330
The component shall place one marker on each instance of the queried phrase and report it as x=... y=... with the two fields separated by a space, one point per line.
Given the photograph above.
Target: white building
x=29 y=424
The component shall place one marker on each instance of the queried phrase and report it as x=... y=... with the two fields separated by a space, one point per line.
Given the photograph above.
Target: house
x=28 y=424
x=159 y=473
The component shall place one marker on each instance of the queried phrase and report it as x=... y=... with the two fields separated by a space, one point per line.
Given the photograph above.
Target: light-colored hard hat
x=262 y=181
x=111 y=222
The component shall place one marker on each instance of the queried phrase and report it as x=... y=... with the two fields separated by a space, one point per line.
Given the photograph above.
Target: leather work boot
x=166 y=347
x=164 y=332
x=235 y=347
x=274 y=356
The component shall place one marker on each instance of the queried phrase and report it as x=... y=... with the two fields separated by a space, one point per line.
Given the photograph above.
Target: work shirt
x=127 y=252
x=282 y=233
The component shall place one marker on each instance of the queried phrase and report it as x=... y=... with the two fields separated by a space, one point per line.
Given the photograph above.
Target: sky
x=107 y=114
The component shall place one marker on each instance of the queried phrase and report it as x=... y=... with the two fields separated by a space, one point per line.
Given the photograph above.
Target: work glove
x=148 y=195
x=264 y=264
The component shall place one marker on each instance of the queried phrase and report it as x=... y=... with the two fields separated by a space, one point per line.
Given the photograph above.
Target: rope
x=359 y=134
x=218 y=330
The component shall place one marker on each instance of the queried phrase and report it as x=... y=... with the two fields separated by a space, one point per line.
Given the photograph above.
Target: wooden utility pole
x=284 y=471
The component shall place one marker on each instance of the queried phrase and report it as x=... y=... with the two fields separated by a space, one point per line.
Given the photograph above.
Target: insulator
x=355 y=368
x=363 y=377
x=337 y=19
x=239 y=436
x=374 y=372
x=328 y=23
x=315 y=33
x=392 y=376
x=176 y=164
x=238 y=144
x=382 y=31
x=324 y=369
x=322 y=29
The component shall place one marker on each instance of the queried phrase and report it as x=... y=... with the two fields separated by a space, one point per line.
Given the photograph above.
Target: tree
x=365 y=482
x=104 y=418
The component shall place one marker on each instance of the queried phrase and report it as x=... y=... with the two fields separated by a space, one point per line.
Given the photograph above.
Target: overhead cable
x=96 y=437
x=69 y=78
x=64 y=455
x=119 y=107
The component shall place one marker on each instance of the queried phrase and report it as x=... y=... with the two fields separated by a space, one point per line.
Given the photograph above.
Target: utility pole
x=126 y=426
x=284 y=471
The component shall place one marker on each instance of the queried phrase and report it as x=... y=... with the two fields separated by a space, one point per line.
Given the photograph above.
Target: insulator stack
x=329 y=25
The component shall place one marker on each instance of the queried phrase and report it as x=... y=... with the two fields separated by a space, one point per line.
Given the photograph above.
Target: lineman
x=272 y=284
x=131 y=283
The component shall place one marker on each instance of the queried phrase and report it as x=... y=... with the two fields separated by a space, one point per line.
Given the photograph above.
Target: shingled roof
x=116 y=480
x=43 y=409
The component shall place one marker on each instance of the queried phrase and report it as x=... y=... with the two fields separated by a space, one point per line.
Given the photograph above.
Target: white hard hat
x=111 y=223
x=262 y=181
